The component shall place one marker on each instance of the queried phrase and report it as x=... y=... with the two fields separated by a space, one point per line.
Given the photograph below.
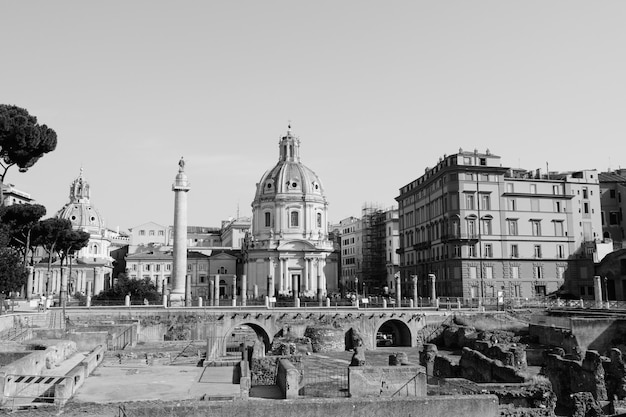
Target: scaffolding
x=374 y=266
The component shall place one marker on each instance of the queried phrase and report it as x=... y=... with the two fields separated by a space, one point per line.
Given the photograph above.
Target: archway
x=393 y=333
x=246 y=334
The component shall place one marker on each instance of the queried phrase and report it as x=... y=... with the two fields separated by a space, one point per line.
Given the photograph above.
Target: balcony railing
x=460 y=236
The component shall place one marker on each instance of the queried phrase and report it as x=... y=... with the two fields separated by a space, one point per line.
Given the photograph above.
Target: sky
x=377 y=91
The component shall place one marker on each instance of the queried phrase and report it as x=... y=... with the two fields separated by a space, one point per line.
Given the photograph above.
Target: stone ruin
x=575 y=383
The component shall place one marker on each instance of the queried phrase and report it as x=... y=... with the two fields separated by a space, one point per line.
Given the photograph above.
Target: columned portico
x=290 y=229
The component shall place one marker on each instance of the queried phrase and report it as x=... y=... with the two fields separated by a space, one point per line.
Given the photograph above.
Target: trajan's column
x=180 y=188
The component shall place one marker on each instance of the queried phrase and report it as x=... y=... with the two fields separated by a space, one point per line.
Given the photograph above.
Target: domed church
x=287 y=252
x=93 y=264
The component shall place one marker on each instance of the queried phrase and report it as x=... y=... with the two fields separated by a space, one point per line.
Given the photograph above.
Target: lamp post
x=356 y=287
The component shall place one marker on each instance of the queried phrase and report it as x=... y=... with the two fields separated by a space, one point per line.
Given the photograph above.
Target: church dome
x=289 y=177
x=79 y=210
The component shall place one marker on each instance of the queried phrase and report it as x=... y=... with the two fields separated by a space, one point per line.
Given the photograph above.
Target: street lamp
x=356 y=285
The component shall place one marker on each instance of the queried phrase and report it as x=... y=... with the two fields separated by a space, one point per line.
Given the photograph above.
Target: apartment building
x=613 y=202
x=348 y=232
x=368 y=247
x=488 y=231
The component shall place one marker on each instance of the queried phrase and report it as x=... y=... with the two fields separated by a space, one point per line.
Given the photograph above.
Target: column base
x=177 y=299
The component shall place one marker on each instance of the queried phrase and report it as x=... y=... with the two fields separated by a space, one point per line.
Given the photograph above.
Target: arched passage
x=249 y=334
x=393 y=333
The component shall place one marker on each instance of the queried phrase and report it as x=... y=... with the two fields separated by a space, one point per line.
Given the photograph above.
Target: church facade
x=287 y=251
x=92 y=265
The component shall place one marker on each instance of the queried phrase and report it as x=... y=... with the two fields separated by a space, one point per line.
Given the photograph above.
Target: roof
x=611 y=177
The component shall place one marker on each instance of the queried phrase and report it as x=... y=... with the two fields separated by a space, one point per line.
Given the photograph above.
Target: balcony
x=422 y=246
x=460 y=237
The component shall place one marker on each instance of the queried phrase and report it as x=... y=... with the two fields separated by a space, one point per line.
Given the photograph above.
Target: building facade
x=288 y=252
x=485 y=231
x=92 y=266
x=350 y=257
x=613 y=202
x=11 y=195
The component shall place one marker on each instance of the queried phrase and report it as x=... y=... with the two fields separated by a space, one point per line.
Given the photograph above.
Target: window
x=611 y=193
x=488 y=250
x=557 y=206
x=586 y=208
x=472 y=272
x=514 y=251
x=533 y=188
x=134 y=268
x=534 y=204
x=471 y=251
x=142 y=233
x=471 y=227
x=558 y=228
x=489 y=272
x=515 y=272
x=202 y=278
x=469 y=200
x=485 y=202
x=189 y=268
x=614 y=218
x=560 y=272
x=168 y=267
x=457 y=251
x=537 y=251
x=585 y=192
x=512 y=226
x=146 y=267
x=538 y=271
x=517 y=291
x=556 y=190
x=268 y=219
x=319 y=220
x=294 y=219
x=157 y=267
x=486 y=227
x=511 y=204
x=536 y=226
x=151 y=233
x=161 y=233
x=560 y=251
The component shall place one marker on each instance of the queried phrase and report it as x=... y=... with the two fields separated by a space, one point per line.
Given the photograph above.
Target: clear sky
x=377 y=91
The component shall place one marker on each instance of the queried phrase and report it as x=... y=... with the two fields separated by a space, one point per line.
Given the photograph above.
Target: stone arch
x=398 y=330
x=262 y=334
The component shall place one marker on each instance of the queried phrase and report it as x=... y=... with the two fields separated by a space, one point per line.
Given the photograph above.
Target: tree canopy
x=71 y=241
x=49 y=234
x=138 y=289
x=22 y=140
x=19 y=221
x=13 y=272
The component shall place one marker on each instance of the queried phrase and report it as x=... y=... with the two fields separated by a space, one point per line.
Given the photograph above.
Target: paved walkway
x=157 y=382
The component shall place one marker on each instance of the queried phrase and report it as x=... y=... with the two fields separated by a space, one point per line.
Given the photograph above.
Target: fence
x=325 y=382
